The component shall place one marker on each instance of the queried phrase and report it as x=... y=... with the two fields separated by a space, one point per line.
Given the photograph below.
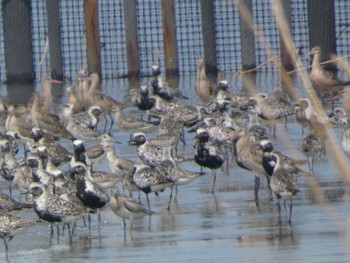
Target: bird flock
x=64 y=184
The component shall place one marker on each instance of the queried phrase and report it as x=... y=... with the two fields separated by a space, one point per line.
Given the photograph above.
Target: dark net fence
x=150 y=35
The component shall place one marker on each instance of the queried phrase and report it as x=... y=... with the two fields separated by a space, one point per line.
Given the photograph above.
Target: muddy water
x=203 y=227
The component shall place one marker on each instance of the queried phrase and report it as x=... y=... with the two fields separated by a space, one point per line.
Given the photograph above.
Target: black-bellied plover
x=207 y=155
x=53 y=209
x=57 y=152
x=90 y=193
x=161 y=88
x=7 y=203
x=11 y=225
x=149 y=153
x=283 y=184
x=141 y=98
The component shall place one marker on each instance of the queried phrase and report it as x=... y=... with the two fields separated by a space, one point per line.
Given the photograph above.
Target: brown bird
x=106 y=103
x=249 y=155
x=78 y=105
x=325 y=82
x=46 y=121
x=203 y=87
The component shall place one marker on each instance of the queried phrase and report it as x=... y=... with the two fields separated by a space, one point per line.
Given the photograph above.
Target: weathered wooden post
x=209 y=36
x=169 y=35
x=93 y=44
x=132 y=39
x=54 y=35
x=246 y=24
x=286 y=59
x=321 y=24
x=18 y=41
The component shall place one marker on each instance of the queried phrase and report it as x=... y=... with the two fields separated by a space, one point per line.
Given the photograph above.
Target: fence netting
x=188 y=33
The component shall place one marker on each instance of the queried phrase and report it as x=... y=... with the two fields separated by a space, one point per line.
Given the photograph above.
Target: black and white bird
x=283 y=184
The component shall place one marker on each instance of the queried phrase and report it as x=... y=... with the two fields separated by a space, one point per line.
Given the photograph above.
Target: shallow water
x=221 y=227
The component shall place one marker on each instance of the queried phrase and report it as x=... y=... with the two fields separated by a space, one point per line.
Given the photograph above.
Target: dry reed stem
x=333 y=149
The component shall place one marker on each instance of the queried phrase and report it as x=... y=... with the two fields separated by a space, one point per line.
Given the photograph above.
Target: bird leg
x=171 y=195
x=256 y=186
x=214 y=174
x=279 y=212
x=290 y=211
x=112 y=122
x=149 y=205
x=106 y=122
x=6 y=249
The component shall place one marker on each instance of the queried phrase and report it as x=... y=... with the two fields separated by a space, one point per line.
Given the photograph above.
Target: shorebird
x=131 y=124
x=345 y=140
x=90 y=118
x=126 y=208
x=339 y=118
x=208 y=156
x=3 y=112
x=53 y=209
x=91 y=194
x=288 y=164
x=141 y=98
x=203 y=88
x=7 y=203
x=77 y=130
x=98 y=98
x=19 y=124
x=48 y=122
x=78 y=105
x=323 y=81
x=117 y=165
x=270 y=110
x=58 y=154
x=256 y=131
x=11 y=225
x=8 y=162
x=249 y=155
x=79 y=156
x=161 y=88
x=155 y=179
x=283 y=184
x=312 y=146
x=345 y=96
x=149 y=153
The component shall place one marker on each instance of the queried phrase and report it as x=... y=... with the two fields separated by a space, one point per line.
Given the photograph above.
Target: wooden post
x=17 y=27
x=54 y=35
x=246 y=26
x=321 y=24
x=209 y=36
x=286 y=59
x=169 y=35
x=93 y=44
x=132 y=39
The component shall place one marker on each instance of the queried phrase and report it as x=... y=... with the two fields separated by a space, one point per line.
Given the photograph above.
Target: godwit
x=203 y=88
x=98 y=98
x=48 y=122
x=324 y=82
